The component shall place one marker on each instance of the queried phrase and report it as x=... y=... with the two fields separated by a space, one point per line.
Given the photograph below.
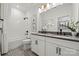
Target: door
x=41 y=47
x=51 y=49
x=68 y=52
x=34 y=44
x=0 y=40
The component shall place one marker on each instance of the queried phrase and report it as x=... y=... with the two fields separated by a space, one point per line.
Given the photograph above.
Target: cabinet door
x=41 y=46
x=51 y=49
x=68 y=52
x=34 y=45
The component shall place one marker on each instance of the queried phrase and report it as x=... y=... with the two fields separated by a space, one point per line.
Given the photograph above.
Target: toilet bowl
x=26 y=44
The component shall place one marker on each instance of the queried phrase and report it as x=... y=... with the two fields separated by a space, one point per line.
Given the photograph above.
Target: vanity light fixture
x=45 y=7
x=42 y=8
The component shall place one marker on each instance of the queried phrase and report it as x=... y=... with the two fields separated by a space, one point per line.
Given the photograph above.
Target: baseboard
x=35 y=53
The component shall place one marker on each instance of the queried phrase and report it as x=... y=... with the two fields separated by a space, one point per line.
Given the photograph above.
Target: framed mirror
x=63 y=20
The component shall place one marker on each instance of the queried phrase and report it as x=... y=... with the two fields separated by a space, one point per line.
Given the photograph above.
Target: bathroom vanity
x=54 y=45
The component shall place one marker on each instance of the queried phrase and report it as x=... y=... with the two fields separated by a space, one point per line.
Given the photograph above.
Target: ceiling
x=25 y=7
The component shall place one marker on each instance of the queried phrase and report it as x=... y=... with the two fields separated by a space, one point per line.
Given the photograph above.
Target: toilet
x=26 y=43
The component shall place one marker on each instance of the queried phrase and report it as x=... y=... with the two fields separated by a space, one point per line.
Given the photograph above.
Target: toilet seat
x=27 y=41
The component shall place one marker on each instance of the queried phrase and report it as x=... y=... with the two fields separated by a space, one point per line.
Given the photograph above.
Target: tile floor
x=20 y=52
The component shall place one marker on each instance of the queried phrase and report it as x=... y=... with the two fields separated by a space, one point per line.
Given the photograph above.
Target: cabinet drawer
x=38 y=37
x=51 y=49
x=41 y=47
x=65 y=43
x=69 y=52
x=33 y=36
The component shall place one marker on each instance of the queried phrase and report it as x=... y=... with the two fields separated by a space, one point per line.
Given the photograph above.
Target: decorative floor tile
x=19 y=52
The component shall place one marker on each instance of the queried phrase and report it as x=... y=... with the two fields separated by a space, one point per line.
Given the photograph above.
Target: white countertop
x=72 y=38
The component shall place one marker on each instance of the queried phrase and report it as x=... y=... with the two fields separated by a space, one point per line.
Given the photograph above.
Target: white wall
x=28 y=26
x=0 y=10
x=75 y=11
x=39 y=21
x=32 y=14
x=51 y=16
x=14 y=25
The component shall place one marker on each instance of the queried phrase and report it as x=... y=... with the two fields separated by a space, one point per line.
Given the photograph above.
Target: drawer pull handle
x=56 y=50
x=36 y=42
x=59 y=51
